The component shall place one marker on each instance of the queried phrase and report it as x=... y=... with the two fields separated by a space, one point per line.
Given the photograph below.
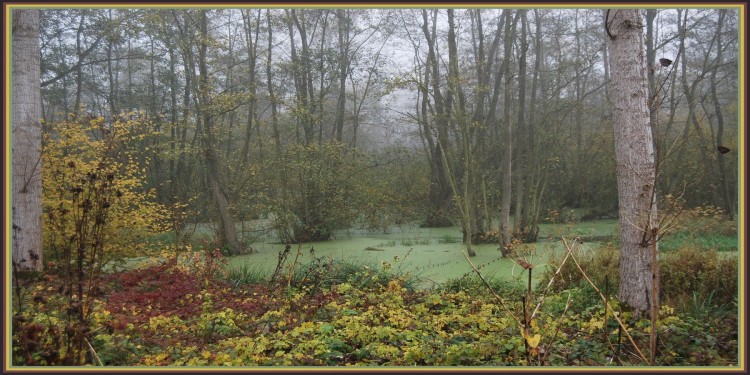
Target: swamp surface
x=434 y=255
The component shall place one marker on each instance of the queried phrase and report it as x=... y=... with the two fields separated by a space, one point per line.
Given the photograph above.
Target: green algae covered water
x=434 y=255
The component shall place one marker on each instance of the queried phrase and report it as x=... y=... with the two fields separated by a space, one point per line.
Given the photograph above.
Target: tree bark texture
x=634 y=151
x=27 y=142
x=505 y=229
x=440 y=191
x=227 y=231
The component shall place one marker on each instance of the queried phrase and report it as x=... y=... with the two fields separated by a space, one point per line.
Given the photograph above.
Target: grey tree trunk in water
x=634 y=149
x=27 y=142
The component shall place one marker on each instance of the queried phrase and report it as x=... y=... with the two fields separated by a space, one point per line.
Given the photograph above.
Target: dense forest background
x=323 y=119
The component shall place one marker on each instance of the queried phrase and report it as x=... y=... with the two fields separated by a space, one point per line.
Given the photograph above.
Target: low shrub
x=321 y=272
x=602 y=265
x=692 y=271
x=684 y=274
x=473 y=285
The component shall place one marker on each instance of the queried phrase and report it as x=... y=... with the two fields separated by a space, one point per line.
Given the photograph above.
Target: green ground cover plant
x=194 y=312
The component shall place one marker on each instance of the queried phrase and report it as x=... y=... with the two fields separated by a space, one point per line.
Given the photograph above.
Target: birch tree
x=27 y=142
x=634 y=150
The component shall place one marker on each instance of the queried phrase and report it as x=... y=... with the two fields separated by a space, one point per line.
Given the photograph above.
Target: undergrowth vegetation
x=318 y=311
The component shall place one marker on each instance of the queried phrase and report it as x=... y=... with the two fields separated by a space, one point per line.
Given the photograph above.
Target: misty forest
x=375 y=187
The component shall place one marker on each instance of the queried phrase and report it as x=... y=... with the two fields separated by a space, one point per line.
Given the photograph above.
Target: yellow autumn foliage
x=94 y=194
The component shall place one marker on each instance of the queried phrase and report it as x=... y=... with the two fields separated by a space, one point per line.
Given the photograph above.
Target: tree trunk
x=467 y=197
x=79 y=70
x=520 y=217
x=634 y=151
x=228 y=232
x=726 y=193
x=505 y=234
x=440 y=191
x=27 y=142
x=534 y=178
x=692 y=95
x=343 y=33
x=651 y=66
x=252 y=50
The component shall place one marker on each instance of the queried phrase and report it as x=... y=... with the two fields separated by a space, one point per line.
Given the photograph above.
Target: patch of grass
x=691 y=278
x=472 y=284
x=326 y=272
x=447 y=238
x=691 y=272
x=390 y=243
x=712 y=241
x=704 y=307
x=406 y=242
x=414 y=241
x=246 y=274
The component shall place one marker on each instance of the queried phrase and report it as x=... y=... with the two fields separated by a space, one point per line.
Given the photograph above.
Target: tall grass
x=713 y=241
x=315 y=272
x=447 y=238
x=247 y=274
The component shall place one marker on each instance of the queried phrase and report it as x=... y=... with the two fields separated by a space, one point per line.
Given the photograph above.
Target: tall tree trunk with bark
x=465 y=199
x=634 y=149
x=343 y=21
x=726 y=192
x=27 y=142
x=440 y=190
x=227 y=231
x=520 y=219
x=536 y=180
x=506 y=239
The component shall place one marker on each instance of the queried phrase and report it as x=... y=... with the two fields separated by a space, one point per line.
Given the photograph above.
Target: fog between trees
x=322 y=119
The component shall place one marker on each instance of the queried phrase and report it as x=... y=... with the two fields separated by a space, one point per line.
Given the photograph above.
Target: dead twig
x=554 y=336
x=622 y=325
x=552 y=279
x=91 y=348
x=489 y=287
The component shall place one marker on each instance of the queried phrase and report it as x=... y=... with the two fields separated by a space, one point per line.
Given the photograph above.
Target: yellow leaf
x=533 y=341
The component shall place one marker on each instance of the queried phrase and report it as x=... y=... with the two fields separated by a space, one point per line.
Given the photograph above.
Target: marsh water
x=434 y=255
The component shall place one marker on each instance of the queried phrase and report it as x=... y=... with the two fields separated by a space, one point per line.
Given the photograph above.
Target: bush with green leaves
x=327 y=189
x=319 y=196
